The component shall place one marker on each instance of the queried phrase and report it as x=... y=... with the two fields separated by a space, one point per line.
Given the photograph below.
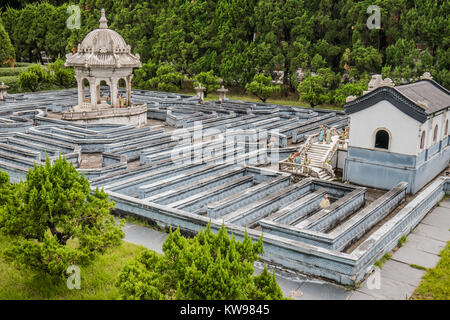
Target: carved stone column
x=129 y=78
x=93 y=89
x=80 y=90
x=114 y=93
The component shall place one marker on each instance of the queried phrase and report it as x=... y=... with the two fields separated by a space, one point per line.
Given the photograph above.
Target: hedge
x=23 y=64
x=10 y=72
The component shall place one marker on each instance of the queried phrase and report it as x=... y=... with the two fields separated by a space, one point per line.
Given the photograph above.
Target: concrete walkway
x=397 y=279
x=146 y=237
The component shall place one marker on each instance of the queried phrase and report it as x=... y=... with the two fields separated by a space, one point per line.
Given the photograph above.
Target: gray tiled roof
x=428 y=95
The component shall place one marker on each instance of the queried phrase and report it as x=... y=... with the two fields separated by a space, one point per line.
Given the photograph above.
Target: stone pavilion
x=103 y=59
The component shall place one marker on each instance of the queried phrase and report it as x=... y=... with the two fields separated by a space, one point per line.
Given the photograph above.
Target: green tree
x=208 y=267
x=364 y=59
x=318 y=62
x=312 y=90
x=349 y=89
x=6 y=48
x=330 y=79
x=240 y=38
x=262 y=87
x=208 y=80
x=402 y=53
x=166 y=79
x=163 y=77
x=57 y=221
x=145 y=73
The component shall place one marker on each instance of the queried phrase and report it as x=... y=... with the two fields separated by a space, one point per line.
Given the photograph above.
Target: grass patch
x=379 y=263
x=143 y=223
x=24 y=64
x=97 y=280
x=435 y=283
x=288 y=101
x=11 y=72
x=416 y=266
x=402 y=240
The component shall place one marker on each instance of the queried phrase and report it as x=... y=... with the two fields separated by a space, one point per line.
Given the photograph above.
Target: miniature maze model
x=195 y=163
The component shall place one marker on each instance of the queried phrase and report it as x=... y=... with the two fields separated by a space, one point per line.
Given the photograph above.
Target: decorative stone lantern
x=200 y=92
x=3 y=91
x=426 y=76
x=104 y=58
x=222 y=94
x=350 y=99
x=377 y=82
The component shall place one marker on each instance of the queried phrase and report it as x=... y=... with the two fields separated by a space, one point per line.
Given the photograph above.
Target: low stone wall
x=348 y=232
x=15 y=124
x=239 y=200
x=179 y=191
x=337 y=212
x=347 y=269
x=136 y=115
x=298 y=210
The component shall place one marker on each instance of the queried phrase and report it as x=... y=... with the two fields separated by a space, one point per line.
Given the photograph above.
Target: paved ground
x=396 y=280
x=143 y=236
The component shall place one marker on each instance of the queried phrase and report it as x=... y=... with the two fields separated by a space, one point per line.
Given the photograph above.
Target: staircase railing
x=307 y=144
x=306 y=170
x=292 y=167
x=328 y=157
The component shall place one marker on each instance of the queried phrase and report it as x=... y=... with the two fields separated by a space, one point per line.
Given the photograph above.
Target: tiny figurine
x=325 y=203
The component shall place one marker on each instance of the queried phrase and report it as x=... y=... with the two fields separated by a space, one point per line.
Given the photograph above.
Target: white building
x=398 y=134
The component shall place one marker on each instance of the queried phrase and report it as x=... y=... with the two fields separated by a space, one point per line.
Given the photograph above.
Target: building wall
x=384 y=170
x=403 y=129
x=428 y=128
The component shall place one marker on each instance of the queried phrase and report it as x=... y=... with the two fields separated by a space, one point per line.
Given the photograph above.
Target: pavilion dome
x=103 y=47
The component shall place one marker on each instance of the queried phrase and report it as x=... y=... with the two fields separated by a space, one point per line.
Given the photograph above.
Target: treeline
x=239 y=39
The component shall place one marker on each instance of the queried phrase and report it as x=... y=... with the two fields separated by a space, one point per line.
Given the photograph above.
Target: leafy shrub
x=56 y=220
x=209 y=266
x=145 y=73
x=61 y=75
x=166 y=79
x=32 y=79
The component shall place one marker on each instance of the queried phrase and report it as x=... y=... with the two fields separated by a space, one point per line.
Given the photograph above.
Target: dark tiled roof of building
x=418 y=100
x=428 y=95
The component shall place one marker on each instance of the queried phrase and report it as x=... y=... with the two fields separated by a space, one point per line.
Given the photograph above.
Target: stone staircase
x=317 y=153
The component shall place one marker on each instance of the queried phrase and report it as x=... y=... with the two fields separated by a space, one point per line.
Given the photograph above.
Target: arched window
x=435 y=135
x=446 y=129
x=382 y=139
x=422 y=140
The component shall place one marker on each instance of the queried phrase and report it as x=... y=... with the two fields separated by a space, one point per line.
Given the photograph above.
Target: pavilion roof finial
x=103 y=20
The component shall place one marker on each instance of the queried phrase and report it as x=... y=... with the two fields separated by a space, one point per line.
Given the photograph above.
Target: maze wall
x=198 y=163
